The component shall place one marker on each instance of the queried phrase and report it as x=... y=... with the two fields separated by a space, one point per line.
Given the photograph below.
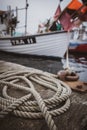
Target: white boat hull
x=49 y=44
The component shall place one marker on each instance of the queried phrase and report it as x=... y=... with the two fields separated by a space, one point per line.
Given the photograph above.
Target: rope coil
x=37 y=108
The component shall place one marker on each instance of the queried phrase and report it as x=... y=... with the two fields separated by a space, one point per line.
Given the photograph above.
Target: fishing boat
x=40 y=44
x=51 y=43
x=78 y=41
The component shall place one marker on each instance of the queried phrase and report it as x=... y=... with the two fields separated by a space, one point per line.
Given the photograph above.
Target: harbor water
x=77 y=63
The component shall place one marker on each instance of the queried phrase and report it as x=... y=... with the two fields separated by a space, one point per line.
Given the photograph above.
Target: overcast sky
x=38 y=11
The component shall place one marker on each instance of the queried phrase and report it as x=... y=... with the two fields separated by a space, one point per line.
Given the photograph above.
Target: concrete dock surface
x=74 y=118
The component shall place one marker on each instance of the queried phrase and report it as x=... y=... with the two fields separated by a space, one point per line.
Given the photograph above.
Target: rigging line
x=67 y=53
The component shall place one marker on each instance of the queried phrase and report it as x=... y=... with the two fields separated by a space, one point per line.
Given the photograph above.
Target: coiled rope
x=28 y=107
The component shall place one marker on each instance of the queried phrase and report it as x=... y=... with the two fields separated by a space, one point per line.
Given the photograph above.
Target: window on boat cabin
x=1 y=19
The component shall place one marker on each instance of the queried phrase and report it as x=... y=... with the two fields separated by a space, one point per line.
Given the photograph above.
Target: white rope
x=38 y=108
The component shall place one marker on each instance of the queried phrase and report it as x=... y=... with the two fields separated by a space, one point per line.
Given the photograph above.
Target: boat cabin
x=8 y=22
x=79 y=33
x=2 y=21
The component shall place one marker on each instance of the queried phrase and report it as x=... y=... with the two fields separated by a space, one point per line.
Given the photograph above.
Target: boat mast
x=25 y=8
x=26 y=16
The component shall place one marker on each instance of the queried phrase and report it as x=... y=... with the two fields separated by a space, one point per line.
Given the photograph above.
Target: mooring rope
x=28 y=107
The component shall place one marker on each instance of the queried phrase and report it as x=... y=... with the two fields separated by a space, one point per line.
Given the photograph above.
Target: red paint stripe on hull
x=81 y=49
